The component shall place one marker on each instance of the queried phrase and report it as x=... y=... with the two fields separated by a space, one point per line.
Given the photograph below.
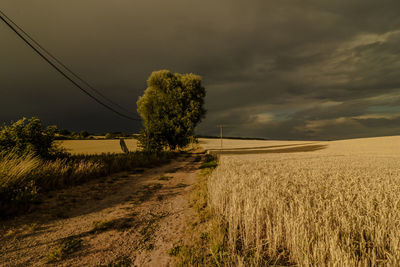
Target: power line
x=4 y=18
x=65 y=67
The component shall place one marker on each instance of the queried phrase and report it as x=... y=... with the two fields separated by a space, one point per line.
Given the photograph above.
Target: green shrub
x=84 y=134
x=28 y=137
x=209 y=162
x=64 y=132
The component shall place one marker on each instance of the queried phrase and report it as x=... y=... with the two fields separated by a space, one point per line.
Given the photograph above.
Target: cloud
x=311 y=69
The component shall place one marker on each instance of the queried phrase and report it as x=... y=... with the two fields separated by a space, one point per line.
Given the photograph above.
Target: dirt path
x=126 y=218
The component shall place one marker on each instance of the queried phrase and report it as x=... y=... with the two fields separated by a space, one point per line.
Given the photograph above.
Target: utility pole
x=220 y=132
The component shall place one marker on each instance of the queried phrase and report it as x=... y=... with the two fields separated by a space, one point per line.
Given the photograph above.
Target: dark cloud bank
x=310 y=69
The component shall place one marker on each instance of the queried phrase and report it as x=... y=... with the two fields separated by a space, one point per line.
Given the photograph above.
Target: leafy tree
x=28 y=137
x=171 y=107
x=64 y=132
x=109 y=136
x=84 y=134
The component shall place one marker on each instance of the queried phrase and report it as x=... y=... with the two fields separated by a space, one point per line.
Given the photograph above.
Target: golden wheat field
x=322 y=203
x=230 y=144
x=96 y=146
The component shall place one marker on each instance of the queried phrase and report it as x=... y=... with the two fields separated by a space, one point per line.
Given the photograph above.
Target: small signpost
x=123 y=145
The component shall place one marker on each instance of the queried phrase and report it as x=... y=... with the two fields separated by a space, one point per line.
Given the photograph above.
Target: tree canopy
x=171 y=107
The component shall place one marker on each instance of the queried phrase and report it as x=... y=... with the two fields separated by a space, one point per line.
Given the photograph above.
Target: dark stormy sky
x=287 y=69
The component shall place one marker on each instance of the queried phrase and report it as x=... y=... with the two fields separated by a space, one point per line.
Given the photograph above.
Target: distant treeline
x=85 y=135
x=231 y=137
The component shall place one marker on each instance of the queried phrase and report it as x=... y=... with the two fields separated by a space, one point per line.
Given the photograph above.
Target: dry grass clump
x=310 y=210
x=64 y=248
x=21 y=177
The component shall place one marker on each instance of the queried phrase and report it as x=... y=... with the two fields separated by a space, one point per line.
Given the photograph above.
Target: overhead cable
x=14 y=27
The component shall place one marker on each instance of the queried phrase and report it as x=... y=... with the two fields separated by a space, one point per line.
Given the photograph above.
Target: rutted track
x=131 y=216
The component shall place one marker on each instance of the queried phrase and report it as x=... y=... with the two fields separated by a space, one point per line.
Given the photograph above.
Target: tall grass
x=302 y=210
x=22 y=177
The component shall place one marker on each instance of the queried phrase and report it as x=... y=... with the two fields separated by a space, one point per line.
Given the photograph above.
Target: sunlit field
x=215 y=143
x=337 y=204
x=96 y=146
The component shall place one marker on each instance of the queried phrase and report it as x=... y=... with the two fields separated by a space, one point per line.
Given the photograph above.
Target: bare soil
x=124 y=218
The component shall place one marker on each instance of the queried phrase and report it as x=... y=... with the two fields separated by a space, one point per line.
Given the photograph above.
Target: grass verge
x=205 y=241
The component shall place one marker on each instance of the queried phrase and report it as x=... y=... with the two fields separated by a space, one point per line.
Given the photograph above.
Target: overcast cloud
x=288 y=69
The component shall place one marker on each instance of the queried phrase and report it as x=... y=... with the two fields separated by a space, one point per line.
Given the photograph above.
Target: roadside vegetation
x=31 y=163
x=205 y=242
